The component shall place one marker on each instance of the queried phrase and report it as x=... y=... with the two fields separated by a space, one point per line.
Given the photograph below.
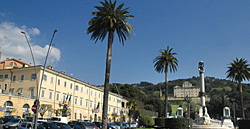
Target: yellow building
x=18 y=92
x=186 y=89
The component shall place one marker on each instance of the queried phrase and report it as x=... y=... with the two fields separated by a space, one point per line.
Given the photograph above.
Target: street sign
x=33 y=108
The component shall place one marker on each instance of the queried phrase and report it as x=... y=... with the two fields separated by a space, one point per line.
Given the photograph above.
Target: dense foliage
x=222 y=93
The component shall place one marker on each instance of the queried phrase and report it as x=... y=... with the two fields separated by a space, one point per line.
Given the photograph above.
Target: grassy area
x=174 y=109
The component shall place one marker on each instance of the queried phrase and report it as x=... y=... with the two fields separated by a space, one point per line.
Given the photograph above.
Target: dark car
x=14 y=123
x=28 y=125
x=74 y=126
x=76 y=123
x=8 y=118
x=86 y=125
x=49 y=125
x=62 y=125
x=94 y=126
x=98 y=124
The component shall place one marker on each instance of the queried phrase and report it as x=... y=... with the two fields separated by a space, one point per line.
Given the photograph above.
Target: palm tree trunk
x=241 y=100
x=166 y=91
x=107 y=77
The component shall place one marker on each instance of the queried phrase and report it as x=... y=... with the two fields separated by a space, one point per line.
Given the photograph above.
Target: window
x=1 y=76
x=86 y=103
x=5 y=87
x=71 y=85
x=12 y=91
x=95 y=94
x=20 y=91
x=11 y=63
x=87 y=91
x=75 y=115
x=114 y=99
x=109 y=98
x=6 y=76
x=81 y=89
x=32 y=93
x=15 y=64
x=57 y=96
x=42 y=93
x=45 y=77
x=109 y=108
x=33 y=76
x=81 y=101
x=75 y=100
x=14 y=78
x=58 y=82
x=91 y=92
x=65 y=84
x=22 y=77
x=51 y=79
x=64 y=97
x=90 y=104
x=99 y=95
x=77 y=87
x=94 y=105
x=50 y=94
x=113 y=110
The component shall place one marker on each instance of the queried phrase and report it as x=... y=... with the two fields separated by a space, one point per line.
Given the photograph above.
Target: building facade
x=18 y=89
x=186 y=89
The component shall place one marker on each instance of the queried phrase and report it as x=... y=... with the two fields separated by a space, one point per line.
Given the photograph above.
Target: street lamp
x=38 y=91
x=36 y=101
x=188 y=100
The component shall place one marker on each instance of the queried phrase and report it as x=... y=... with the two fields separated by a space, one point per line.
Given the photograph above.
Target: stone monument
x=203 y=121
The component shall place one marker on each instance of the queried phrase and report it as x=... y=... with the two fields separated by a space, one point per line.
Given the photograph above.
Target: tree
x=109 y=19
x=238 y=71
x=44 y=108
x=132 y=105
x=165 y=62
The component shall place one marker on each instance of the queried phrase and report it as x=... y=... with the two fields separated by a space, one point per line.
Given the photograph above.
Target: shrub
x=244 y=124
x=147 y=121
x=177 y=123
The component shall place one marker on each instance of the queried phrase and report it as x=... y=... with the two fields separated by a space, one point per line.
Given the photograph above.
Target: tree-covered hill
x=148 y=95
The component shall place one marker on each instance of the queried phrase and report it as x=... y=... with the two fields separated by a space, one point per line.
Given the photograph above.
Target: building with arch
x=18 y=91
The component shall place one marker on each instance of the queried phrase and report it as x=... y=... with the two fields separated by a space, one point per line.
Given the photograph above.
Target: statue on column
x=203 y=117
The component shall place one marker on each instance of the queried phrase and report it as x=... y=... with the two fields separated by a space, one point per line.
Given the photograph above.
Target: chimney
x=63 y=72
x=50 y=67
x=20 y=60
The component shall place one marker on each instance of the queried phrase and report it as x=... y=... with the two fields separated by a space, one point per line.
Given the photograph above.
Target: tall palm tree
x=164 y=63
x=108 y=20
x=239 y=71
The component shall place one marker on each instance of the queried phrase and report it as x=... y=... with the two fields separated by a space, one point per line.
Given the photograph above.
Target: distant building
x=186 y=89
x=18 y=92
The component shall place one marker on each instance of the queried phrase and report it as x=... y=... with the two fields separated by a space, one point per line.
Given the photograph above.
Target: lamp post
x=36 y=101
x=39 y=90
x=188 y=100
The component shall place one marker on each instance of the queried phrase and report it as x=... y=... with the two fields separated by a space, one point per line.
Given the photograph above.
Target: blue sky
x=214 y=31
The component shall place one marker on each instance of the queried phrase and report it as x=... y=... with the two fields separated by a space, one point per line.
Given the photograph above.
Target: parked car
x=75 y=126
x=59 y=119
x=86 y=125
x=93 y=125
x=119 y=124
x=14 y=123
x=134 y=124
x=8 y=118
x=50 y=125
x=111 y=125
x=28 y=125
x=62 y=125
x=98 y=124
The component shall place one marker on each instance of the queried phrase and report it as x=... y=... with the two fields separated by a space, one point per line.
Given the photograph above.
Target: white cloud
x=13 y=44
